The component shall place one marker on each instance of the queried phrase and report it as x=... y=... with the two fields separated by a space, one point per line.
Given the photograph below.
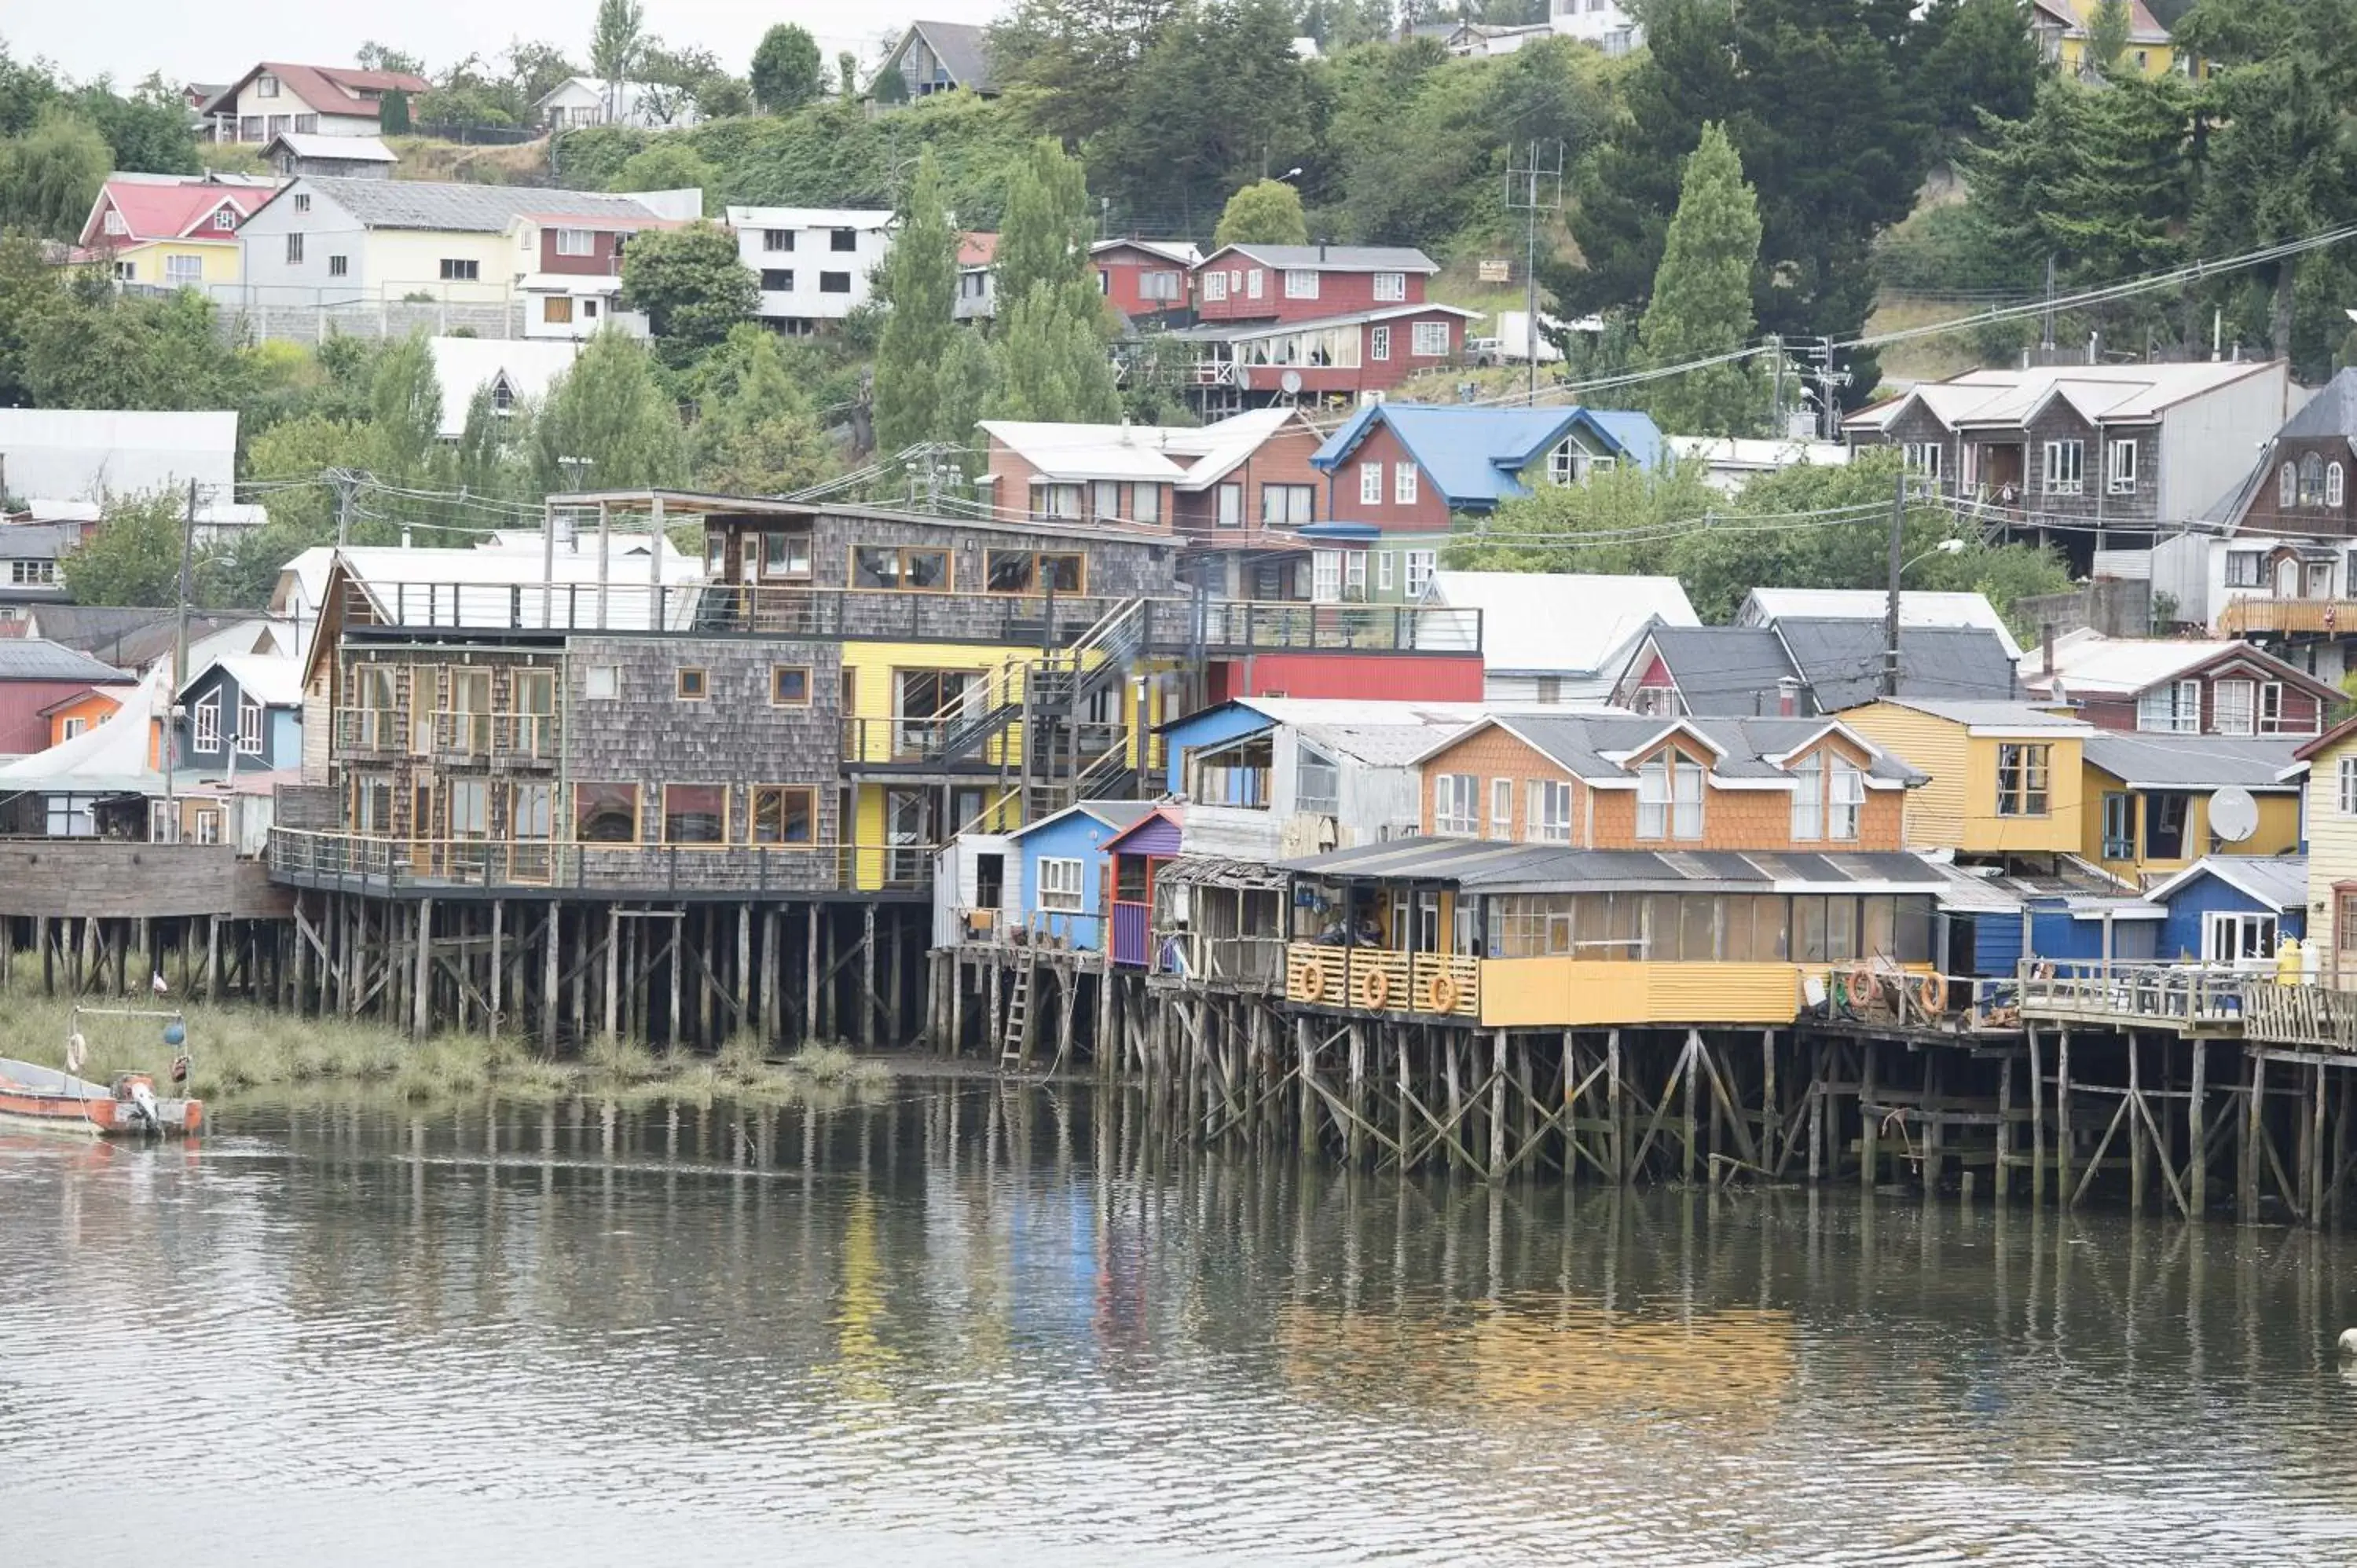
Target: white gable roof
x=1188 y=458
x=464 y=364
x=1547 y=623
x=1917 y=606
x=82 y=454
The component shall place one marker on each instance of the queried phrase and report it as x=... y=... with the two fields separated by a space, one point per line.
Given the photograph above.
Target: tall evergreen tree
x=758 y=434
x=786 y=69
x=405 y=405
x=607 y=423
x=919 y=286
x=1046 y=228
x=1701 y=305
x=2107 y=34
x=1050 y=347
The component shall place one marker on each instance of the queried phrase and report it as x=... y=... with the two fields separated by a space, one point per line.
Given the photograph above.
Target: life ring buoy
x=1309 y=980
x=1375 y=991
x=1443 y=994
x=1932 y=995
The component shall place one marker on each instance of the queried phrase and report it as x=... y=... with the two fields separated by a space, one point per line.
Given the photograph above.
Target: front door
x=908 y=834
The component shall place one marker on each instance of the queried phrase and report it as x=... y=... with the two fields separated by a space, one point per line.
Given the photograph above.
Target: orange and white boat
x=58 y=1101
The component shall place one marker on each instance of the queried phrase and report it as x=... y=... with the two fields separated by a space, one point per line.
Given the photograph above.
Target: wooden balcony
x=1379 y=980
x=2310 y=1017
x=482 y=867
x=2188 y=998
x=2258 y=615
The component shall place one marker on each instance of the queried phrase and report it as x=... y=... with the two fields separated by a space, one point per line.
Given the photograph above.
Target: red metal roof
x=330 y=88
x=977 y=250
x=182 y=210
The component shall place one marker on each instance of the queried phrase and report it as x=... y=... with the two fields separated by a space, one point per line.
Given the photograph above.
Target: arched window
x=2335 y=486
x=2311 y=480
x=2288 y=486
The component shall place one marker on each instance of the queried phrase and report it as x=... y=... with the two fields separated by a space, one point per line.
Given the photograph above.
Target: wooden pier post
x=2197 y=1133
x=492 y=1021
x=550 y=979
x=2003 y=1175
x=2314 y=1152
x=867 y=976
x=1689 y=1066
x=2037 y=1122
x=1497 y=1171
x=420 y=1004
x=613 y=972
x=2138 y=1156
x=810 y=972
x=2255 y=1092
x=2064 y=1196
x=1867 y=1151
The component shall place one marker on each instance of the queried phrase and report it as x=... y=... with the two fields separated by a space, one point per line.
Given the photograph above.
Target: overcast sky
x=216 y=40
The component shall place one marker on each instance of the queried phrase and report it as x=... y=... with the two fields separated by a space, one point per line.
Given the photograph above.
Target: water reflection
x=975 y=1324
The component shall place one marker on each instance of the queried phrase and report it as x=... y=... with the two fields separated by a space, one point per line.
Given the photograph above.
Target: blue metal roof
x=1471 y=455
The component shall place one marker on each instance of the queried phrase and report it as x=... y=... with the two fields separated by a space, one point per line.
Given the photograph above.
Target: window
x=32 y=573
x=2164 y=816
x=695 y=813
x=2065 y=466
x=2271 y=708
x=784 y=814
x=1391 y=287
x=2335 y=486
x=184 y=271
x=75 y=727
x=1301 y=283
x=2311 y=480
x=1419 y=572
x=208 y=824
x=227 y=217
x=2022 y=772
x=1669 y=798
x=2172 y=708
x=1456 y=805
x=1287 y=506
x=790 y=685
x=2286 y=487
x=1403 y=483
x=2349 y=786
x=1379 y=343
x=1547 y=689
x=911 y=570
x=694 y=684
x=842 y=240
x=1809 y=802
x=1848 y=801
x=777 y=239
x=2236 y=706
x=338 y=266
x=249 y=726
x=1231 y=506
x=1924 y=457
x=2119 y=825
x=1031 y=571
x=2247 y=569
x=307 y=125
x=606 y=813
x=206 y=716
x=556 y=310
x=112 y=222
x=1105 y=501
x=1160 y=286
x=467 y=802
x=1215 y=285
x=785 y=555
x=1549 y=817
x=457 y=269
x=1371 y=484
x=2232 y=936
x=532 y=811
x=1354 y=576
x=2120 y=466
x=302 y=201
x=1146 y=504
x=265 y=86
x=126 y=272
x=1251 y=283
x=1502 y=808
x=1386 y=566
x=1431 y=340
x=1317 y=782
x=835 y=282
x=777 y=280
x=1055 y=501
x=575 y=242
x=1060 y=884
x=1325 y=577
x=294 y=249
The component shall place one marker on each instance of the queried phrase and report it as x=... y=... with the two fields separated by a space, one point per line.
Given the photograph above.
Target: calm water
x=975 y=1326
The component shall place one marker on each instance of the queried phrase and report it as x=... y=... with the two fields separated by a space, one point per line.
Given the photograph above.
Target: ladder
x=1015 y=1046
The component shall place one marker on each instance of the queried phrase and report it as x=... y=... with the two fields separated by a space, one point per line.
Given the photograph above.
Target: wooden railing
x=369 y=864
x=1379 y=980
x=2259 y=613
x=2190 y=998
x=2315 y=1017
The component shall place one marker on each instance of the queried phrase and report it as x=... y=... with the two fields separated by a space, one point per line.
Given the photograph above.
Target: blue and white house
x=242 y=713
x=1059 y=891
x=2233 y=908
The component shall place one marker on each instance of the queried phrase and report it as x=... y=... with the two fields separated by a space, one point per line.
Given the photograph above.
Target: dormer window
x=1562 y=463
x=2287 y=486
x=1669 y=797
x=112 y=222
x=502 y=395
x=225 y=218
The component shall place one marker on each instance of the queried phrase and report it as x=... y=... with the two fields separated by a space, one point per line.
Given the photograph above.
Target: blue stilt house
x=1061 y=894
x=2233 y=908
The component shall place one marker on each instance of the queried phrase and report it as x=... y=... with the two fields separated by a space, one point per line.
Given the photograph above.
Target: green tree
x=536 y=69
x=97 y=348
x=847 y=71
x=2107 y=34
x=375 y=55
x=1266 y=212
x=1051 y=362
x=405 y=406
x=1613 y=524
x=50 y=176
x=919 y=284
x=670 y=163
x=1701 y=306
x=691 y=284
x=617 y=38
x=786 y=69
x=607 y=423
x=31 y=292
x=146 y=131
x=1045 y=231
x=760 y=433
x=1073 y=57
x=1218 y=97
x=392 y=112
x=134 y=556
x=1975 y=58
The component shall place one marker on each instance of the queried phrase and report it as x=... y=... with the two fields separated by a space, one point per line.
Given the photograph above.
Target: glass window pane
x=606 y=813
x=1009 y=571
x=695 y=813
x=1841 y=928
x=1770 y=935
x=1877 y=935
x=1662 y=929
x=1698 y=914
x=1809 y=928
x=1913 y=922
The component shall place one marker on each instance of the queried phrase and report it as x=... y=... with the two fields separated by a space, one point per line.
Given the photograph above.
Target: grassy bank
x=240 y=1050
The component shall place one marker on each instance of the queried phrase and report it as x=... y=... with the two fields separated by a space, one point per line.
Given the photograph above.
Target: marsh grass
x=237 y=1051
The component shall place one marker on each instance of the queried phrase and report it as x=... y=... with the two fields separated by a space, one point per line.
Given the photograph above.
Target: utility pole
x=345 y=483
x=1829 y=383
x=1534 y=188
x=1890 y=610
x=2046 y=333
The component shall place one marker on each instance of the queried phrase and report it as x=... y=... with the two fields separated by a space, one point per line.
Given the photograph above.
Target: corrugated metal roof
x=2191 y=761
x=2278 y=881
x=2010 y=716
x=1840 y=661
x=38 y=658
x=461 y=208
x=1560 y=622
x=1340 y=258
x=1491 y=867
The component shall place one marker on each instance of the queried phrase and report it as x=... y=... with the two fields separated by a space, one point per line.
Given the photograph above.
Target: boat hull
x=43 y=1098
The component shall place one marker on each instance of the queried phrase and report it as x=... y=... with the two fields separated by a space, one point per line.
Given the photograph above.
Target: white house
x=275 y=97
x=1558 y=636
x=1731 y=462
x=813 y=262
x=648 y=106
x=517 y=370
x=1606 y=24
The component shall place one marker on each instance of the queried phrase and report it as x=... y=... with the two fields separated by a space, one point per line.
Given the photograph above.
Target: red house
x=1329 y=323
x=2167 y=686
x=1146 y=278
x=37 y=674
x=1307 y=283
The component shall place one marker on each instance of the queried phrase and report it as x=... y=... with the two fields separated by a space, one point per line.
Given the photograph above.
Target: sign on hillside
x=1497 y=270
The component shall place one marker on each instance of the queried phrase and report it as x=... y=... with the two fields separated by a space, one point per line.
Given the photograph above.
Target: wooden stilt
x=2004 y=1174
x=868 y=975
x=493 y=1023
x=2064 y=1193
x=2037 y=1123
x=420 y=1010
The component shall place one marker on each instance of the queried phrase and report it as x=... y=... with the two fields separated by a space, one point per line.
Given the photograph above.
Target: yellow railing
x=2244 y=616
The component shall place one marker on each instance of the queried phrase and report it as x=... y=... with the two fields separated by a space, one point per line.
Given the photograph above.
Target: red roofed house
x=1144 y=278
x=1334 y=322
x=309 y=100
x=977 y=295
x=168 y=231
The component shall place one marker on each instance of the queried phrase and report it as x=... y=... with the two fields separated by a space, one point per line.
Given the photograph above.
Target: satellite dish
x=2233 y=815
x=1290 y=381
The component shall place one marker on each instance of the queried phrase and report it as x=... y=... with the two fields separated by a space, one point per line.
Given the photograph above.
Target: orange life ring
x=1309 y=980
x=1375 y=991
x=1858 y=984
x=1931 y=994
x=1444 y=993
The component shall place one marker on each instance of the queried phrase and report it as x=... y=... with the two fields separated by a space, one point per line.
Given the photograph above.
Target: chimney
x=1321 y=250
x=1788 y=697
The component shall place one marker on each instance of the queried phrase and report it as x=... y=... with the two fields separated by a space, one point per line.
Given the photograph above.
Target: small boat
x=128 y=1107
